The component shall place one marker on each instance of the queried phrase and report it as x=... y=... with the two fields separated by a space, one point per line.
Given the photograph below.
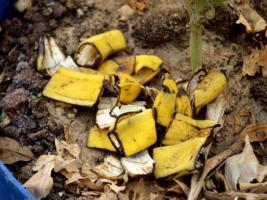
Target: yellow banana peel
x=179 y=131
x=97 y=48
x=123 y=64
x=183 y=103
x=165 y=107
x=74 y=87
x=177 y=159
x=98 y=138
x=146 y=67
x=212 y=85
x=135 y=133
x=197 y=123
x=129 y=88
x=169 y=84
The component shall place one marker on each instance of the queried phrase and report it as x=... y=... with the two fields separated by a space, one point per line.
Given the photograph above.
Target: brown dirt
x=160 y=29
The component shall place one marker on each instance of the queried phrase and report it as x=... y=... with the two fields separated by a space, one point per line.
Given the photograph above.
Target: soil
x=161 y=29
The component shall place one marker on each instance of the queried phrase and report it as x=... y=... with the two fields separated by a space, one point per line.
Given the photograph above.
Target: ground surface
x=160 y=29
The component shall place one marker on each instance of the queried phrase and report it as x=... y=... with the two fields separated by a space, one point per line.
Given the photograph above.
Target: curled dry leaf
x=234 y=195
x=253 y=187
x=72 y=148
x=11 y=151
x=249 y=17
x=138 y=164
x=256 y=133
x=111 y=168
x=244 y=167
x=125 y=12
x=255 y=62
x=41 y=183
x=197 y=180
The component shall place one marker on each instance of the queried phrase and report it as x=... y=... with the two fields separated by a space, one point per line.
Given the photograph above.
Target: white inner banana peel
x=97 y=48
x=51 y=58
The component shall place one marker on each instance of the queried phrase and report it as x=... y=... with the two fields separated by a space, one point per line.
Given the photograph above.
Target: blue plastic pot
x=6 y=8
x=10 y=188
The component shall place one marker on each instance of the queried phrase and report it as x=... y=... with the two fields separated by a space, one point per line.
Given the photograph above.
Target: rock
x=14 y=100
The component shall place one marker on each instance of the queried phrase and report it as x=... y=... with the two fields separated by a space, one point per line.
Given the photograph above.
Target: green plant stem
x=195 y=45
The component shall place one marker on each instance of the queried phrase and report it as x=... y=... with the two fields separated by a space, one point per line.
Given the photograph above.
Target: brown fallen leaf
x=11 y=151
x=233 y=195
x=249 y=17
x=244 y=167
x=197 y=180
x=256 y=133
x=253 y=187
x=255 y=62
x=41 y=183
x=72 y=148
x=125 y=12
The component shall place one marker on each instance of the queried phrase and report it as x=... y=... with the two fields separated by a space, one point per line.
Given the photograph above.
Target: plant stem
x=195 y=45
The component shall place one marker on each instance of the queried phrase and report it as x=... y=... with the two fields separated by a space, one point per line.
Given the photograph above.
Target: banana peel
x=96 y=49
x=135 y=133
x=165 y=107
x=74 y=87
x=123 y=64
x=169 y=84
x=197 y=123
x=183 y=103
x=146 y=67
x=212 y=85
x=180 y=131
x=128 y=87
x=177 y=159
x=98 y=138
x=51 y=58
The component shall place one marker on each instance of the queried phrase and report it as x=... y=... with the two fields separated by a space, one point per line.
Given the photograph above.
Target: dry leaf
x=73 y=148
x=42 y=161
x=138 y=164
x=22 y=5
x=11 y=151
x=249 y=18
x=41 y=183
x=197 y=180
x=111 y=168
x=255 y=62
x=253 y=187
x=234 y=195
x=140 y=5
x=256 y=133
x=244 y=167
x=137 y=189
x=125 y=12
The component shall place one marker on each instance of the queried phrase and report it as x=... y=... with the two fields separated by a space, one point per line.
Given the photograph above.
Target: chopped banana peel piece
x=212 y=85
x=145 y=75
x=194 y=81
x=146 y=67
x=177 y=159
x=126 y=64
x=49 y=56
x=196 y=123
x=109 y=109
x=179 y=131
x=135 y=133
x=97 y=48
x=138 y=164
x=215 y=110
x=129 y=88
x=74 y=87
x=69 y=63
x=111 y=168
x=165 y=107
x=98 y=138
x=169 y=84
x=108 y=67
x=183 y=103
